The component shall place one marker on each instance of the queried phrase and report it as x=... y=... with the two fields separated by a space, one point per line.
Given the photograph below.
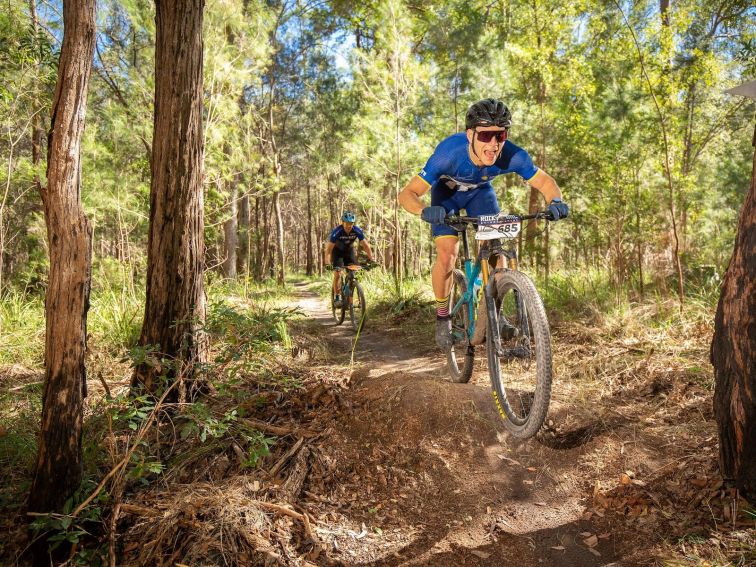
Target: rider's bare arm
x=328 y=250
x=409 y=197
x=366 y=247
x=546 y=185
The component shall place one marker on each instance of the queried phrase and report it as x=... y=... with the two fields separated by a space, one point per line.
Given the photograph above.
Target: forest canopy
x=322 y=106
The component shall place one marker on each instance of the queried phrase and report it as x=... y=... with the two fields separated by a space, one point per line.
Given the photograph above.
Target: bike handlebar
x=540 y=215
x=366 y=266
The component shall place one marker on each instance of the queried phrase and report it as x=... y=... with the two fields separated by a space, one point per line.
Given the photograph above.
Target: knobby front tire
x=520 y=369
x=461 y=354
x=357 y=308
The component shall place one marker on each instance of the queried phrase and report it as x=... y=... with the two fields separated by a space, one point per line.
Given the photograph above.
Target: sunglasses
x=488 y=135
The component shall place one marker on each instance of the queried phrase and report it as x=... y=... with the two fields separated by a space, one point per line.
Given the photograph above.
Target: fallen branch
x=293 y=485
x=303 y=517
x=288 y=455
x=140 y=435
x=135 y=510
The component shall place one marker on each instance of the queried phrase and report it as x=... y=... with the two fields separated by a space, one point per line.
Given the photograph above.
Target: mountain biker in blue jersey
x=458 y=176
x=339 y=250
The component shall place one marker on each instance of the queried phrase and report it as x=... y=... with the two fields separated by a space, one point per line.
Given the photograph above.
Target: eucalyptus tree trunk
x=265 y=240
x=242 y=258
x=257 y=271
x=533 y=195
x=309 y=239
x=281 y=272
x=733 y=355
x=58 y=467
x=175 y=307
x=37 y=133
x=230 y=232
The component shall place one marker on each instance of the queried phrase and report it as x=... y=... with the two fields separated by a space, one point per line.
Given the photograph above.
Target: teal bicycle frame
x=479 y=267
x=472 y=270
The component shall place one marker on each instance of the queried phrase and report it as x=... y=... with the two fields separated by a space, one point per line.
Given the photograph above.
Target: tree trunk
x=258 y=237
x=320 y=233
x=230 y=233
x=242 y=258
x=733 y=355
x=265 y=240
x=175 y=308
x=58 y=467
x=281 y=274
x=308 y=243
x=37 y=133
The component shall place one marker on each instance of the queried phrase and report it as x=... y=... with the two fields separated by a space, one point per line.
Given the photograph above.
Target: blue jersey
x=451 y=166
x=343 y=239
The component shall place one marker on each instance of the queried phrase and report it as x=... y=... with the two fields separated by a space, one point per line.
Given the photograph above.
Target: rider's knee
x=447 y=259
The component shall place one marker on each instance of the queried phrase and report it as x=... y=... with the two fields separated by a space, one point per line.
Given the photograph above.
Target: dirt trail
x=424 y=471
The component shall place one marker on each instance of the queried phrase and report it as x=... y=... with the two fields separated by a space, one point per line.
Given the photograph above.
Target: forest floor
x=376 y=458
x=625 y=471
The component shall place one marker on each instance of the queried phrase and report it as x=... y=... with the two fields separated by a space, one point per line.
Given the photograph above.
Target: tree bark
x=733 y=355
x=265 y=259
x=58 y=467
x=242 y=258
x=281 y=273
x=258 y=238
x=308 y=243
x=230 y=228
x=175 y=307
x=37 y=133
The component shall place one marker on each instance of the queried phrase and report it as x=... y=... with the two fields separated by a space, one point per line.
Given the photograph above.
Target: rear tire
x=357 y=308
x=522 y=361
x=461 y=354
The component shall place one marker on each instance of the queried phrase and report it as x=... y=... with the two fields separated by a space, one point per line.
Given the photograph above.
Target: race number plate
x=497 y=226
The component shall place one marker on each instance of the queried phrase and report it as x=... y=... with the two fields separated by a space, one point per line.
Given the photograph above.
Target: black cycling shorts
x=341 y=258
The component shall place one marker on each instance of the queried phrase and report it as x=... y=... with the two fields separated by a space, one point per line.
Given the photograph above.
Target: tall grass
x=411 y=302
x=590 y=296
x=22 y=329
x=266 y=292
x=585 y=296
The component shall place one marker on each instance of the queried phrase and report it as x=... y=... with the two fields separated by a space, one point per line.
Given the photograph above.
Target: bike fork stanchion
x=493 y=319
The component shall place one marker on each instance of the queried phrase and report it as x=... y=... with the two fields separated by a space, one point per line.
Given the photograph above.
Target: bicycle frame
x=472 y=269
x=347 y=277
x=481 y=267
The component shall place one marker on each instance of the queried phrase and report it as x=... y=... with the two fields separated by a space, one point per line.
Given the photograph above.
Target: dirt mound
x=423 y=474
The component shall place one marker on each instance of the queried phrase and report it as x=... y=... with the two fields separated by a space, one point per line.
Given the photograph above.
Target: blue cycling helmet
x=348 y=216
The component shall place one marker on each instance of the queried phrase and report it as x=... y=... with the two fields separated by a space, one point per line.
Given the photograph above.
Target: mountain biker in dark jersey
x=339 y=250
x=458 y=175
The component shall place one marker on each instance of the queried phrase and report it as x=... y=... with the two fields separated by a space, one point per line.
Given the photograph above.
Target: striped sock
x=442 y=307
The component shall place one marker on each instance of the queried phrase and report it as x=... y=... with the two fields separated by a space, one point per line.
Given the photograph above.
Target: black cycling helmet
x=488 y=112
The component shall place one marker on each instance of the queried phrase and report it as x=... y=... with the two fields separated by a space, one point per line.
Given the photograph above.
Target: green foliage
x=132 y=411
x=64 y=528
x=117 y=306
x=201 y=422
x=413 y=302
x=259 y=324
x=258 y=446
x=22 y=329
x=338 y=105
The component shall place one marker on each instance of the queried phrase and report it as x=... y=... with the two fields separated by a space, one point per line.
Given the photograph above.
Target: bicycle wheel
x=460 y=355
x=357 y=308
x=520 y=356
x=338 y=312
